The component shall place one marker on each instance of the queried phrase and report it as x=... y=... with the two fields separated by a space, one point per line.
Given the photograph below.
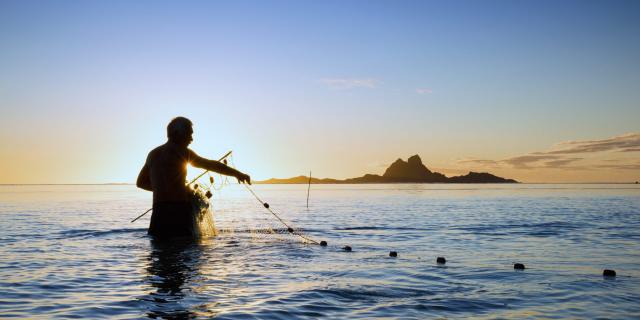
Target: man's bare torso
x=167 y=165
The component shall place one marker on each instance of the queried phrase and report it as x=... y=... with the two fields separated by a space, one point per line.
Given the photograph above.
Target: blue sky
x=338 y=87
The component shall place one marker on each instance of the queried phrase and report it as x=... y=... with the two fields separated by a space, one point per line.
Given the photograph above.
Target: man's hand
x=243 y=178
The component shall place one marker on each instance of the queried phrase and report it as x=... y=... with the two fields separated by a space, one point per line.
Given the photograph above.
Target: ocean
x=70 y=251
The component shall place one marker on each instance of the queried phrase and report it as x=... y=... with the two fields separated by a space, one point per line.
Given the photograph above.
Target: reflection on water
x=172 y=263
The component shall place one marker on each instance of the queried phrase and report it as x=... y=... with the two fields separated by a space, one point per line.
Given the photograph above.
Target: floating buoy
x=290 y=230
x=323 y=243
x=441 y=260
x=393 y=254
x=208 y=194
x=518 y=266
x=266 y=205
x=609 y=273
x=347 y=248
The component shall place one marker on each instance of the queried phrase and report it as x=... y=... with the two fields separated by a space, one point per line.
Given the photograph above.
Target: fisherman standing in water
x=165 y=172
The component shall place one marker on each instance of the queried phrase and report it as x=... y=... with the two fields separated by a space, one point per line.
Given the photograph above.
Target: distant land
x=410 y=171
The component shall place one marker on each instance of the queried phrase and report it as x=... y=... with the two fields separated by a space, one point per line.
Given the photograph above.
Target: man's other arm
x=144 y=180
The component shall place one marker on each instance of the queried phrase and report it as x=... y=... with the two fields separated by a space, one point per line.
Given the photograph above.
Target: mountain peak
x=411 y=169
x=414 y=160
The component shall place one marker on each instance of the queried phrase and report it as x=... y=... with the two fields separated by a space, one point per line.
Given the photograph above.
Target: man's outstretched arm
x=219 y=167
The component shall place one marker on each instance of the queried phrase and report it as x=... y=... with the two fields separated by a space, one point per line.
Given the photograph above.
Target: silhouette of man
x=165 y=172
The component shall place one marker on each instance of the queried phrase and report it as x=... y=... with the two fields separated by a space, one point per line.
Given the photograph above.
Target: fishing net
x=254 y=225
x=234 y=219
x=203 y=223
x=257 y=224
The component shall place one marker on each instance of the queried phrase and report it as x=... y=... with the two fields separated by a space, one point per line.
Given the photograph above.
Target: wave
x=87 y=233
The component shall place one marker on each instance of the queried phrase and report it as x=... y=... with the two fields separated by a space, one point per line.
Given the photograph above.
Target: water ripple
x=57 y=263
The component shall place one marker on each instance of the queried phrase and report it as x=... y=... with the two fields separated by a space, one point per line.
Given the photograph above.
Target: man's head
x=180 y=130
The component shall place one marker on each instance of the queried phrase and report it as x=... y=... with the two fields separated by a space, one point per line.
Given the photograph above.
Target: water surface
x=70 y=251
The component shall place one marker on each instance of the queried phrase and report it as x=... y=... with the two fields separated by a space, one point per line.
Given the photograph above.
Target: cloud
x=622 y=166
x=538 y=160
x=558 y=157
x=523 y=162
x=424 y=91
x=483 y=162
x=629 y=142
x=348 y=83
x=529 y=161
x=561 y=163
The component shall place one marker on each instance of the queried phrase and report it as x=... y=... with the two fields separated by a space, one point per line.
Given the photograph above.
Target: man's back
x=167 y=165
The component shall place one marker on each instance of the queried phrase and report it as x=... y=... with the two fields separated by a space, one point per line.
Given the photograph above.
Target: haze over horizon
x=538 y=91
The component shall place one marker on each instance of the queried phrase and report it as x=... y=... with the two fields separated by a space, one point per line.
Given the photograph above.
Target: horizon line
x=133 y=184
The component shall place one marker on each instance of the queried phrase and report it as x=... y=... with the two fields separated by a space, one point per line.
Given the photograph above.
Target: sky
x=537 y=91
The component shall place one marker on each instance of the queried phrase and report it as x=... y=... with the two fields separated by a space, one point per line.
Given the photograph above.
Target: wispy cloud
x=558 y=157
x=561 y=163
x=424 y=91
x=348 y=83
x=480 y=162
x=628 y=166
x=629 y=142
x=525 y=161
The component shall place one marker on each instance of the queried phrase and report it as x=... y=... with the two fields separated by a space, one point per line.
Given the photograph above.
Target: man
x=165 y=172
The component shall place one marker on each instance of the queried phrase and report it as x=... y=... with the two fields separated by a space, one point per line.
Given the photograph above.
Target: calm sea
x=71 y=252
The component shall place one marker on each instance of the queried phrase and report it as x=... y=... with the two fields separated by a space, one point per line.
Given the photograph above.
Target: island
x=410 y=171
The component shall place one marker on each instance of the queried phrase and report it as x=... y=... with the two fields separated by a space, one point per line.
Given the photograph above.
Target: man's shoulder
x=169 y=149
x=157 y=149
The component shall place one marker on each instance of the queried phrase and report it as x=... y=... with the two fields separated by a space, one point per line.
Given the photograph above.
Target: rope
x=290 y=229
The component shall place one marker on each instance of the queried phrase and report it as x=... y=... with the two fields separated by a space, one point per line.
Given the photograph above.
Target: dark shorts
x=171 y=219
